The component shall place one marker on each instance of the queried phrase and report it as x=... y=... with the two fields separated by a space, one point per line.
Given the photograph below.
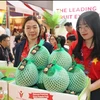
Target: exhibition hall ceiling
x=45 y=4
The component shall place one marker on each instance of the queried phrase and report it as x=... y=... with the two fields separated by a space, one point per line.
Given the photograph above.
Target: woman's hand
x=95 y=85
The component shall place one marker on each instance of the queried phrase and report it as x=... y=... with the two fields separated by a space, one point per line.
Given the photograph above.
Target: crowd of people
x=83 y=43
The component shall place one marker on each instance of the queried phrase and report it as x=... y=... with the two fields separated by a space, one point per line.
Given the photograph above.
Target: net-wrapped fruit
x=40 y=80
x=39 y=54
x=26 y=73
x=55 y=78
x=78 y=79
x=61 y=57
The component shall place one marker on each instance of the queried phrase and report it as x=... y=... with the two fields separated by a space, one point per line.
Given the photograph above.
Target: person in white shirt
x=7 y=30
x=2 y=30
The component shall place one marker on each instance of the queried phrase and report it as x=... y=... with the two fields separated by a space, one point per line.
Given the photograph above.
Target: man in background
x=70 y=39
x=71 y=31
x=5 y=54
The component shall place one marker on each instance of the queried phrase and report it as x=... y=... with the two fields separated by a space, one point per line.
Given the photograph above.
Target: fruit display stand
x=11 y=91
x=26 y=93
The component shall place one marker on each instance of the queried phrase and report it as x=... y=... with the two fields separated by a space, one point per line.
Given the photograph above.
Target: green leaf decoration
x=52 y=20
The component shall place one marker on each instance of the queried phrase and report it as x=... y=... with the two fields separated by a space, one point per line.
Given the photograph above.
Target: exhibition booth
x=16 y=12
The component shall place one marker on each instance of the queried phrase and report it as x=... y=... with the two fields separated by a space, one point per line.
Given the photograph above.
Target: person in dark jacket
x=31 y=32
x=17 y=40
x=5 y=54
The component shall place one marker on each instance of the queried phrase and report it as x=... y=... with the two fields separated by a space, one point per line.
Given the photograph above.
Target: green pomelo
x=40 y=58
x=62 y=58
x=78 y=80
x=56 y=79
x=27 y=76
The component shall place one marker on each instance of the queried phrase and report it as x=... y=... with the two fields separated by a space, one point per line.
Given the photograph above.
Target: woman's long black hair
x=92 y=19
